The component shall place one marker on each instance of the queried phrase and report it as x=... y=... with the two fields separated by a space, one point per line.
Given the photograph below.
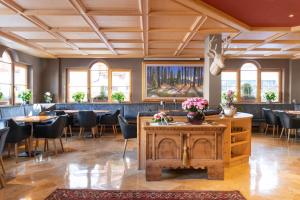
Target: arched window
x=248 y=82
x=6 y=83
x=99 y=82
x=102 y=85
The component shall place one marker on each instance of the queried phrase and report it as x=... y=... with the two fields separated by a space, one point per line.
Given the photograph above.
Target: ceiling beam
x=78 y=5
x=205 y=9
x=271 y=29
x=87 y=41
x=21 y=41
x=267 y=40
x=18 y=9
x=260 y=41
x=190 y=35
x=144 y=21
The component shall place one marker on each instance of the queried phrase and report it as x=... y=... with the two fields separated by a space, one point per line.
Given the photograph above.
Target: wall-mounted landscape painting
x=172 y=81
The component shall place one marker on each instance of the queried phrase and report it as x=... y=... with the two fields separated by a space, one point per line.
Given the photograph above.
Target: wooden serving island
x=237 y=136
x=182 y=145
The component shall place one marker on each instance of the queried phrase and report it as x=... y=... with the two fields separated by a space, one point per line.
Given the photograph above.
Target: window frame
x=12 y=84
x=88 y=70
x=259 y=85
x=21 y=65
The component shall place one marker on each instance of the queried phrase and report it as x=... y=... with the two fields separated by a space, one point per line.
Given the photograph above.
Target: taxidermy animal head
x=218 y=59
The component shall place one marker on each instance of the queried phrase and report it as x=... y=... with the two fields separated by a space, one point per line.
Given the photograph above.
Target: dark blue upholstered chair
x=271 y=119
x=88 y=119
x=17 y=133
x=3 y=135
x=51 y=131
x=290 y=123
x=110 y=120
x=129 y=131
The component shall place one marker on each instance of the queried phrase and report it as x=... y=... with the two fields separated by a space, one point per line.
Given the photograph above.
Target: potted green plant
x=118 y=96
x=1 y=95
x=26 y=96
x=78 y=97
x=48 y=97
x=270 y=96
x=247 y=91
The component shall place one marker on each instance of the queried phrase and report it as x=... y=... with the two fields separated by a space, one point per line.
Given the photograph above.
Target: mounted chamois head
x=218 y=59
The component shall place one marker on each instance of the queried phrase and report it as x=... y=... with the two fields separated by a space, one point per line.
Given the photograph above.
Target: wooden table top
x=76 y=111
x=293 y=112
x=33 y=119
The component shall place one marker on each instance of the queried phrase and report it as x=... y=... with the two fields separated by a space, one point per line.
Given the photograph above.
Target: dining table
x=31 y=120
x=72 y=112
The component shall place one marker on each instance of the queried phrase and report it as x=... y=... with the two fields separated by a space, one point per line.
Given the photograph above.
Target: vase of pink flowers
x=195 y=107
x=161 y=118
x=227 y=103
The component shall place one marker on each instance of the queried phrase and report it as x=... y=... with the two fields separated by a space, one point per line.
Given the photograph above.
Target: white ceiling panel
x=35 y=35
x=80 y=35
x=63 y=21
x=118 y=21
x=14 y=21
x=44 y=4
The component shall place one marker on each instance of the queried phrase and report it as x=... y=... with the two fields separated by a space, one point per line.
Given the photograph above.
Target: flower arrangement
x=1 y=95
x=78 y=97
x=228 y=98
x=270 y=96
x=48 y=97
x=26 y=96
x=195 y=104
x=162 y=118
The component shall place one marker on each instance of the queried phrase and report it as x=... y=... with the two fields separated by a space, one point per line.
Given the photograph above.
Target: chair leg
x=70 y=128
x=36 y=144
x=289 y=132
x=16 y=152
x=125 y=146
x=277 y=130
x=274 y=128
x=266 y=131
x=61 y=144
x=101 y=129
x=93 y=132
x=2 y=164
x=282 y=131
x=8 y=149
x=65 y=132
x=55 y=149
x=2 y=182
x=45 y=145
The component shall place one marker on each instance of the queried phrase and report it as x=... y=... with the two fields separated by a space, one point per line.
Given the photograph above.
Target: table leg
x=153 y=172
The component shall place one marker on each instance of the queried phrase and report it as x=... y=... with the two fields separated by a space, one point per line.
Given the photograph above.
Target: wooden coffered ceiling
x=134 y=29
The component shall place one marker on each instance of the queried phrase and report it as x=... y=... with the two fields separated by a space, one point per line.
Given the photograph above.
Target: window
x=6 y=78
x=121 y=83
x=251 y=83
x=248 y=82
x=229 y=81
x=77 y=82
x=270 y=83
x=21 y=82
x=98 y=83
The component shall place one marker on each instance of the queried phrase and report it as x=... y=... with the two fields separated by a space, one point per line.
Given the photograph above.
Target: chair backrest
x=128 y=130
x=87 y=119
x=269 y=116
x=285 y=119
x=60 y=112
x=3 y=135
x=47 y=113
x=58 y=126
x=17 y=132
x=122 y=122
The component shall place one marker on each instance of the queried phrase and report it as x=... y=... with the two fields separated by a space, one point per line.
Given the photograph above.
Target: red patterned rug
x=68 y=194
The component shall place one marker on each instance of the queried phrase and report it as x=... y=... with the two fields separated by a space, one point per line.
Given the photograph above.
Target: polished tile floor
x=272 y=173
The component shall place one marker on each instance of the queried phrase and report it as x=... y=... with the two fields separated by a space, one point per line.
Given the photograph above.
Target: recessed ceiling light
x=291 y=16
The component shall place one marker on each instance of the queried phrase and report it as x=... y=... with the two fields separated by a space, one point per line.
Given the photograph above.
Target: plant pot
x=269 y=102
x=229 y=111
x=195 y=117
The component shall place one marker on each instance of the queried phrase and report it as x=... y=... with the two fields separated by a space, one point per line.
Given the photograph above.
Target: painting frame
x=145 y=89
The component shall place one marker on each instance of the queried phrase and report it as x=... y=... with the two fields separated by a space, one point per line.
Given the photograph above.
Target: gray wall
x=295 y=80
